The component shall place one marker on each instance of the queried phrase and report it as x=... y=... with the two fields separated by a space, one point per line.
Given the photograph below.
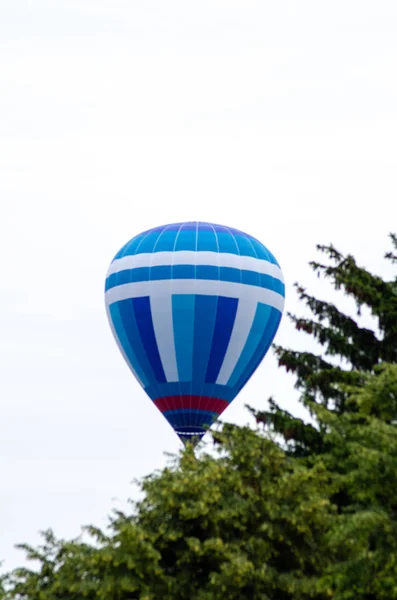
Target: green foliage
x=248 y=523
x=362 y=458
x=321 y=380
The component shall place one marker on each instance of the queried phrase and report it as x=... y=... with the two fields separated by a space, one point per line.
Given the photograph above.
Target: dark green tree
x=350 y=390
x=357 y=349
x=361 y=458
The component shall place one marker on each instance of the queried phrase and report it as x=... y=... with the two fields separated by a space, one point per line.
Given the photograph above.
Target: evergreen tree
x=319 y=378
x=361 y=458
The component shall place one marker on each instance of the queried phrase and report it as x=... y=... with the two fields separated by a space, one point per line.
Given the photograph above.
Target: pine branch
x=362 y=350
x=303 y=364
x=319 y=380
x=325 y=310
x=390 y=255
x=366 y=288
x=325 y=386
x=302 y=438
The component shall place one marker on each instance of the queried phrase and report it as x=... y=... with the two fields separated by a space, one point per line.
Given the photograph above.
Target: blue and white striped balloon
x=194 y=308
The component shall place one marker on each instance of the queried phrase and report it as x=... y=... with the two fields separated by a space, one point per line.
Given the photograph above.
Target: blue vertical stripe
x=143 y=316
x=130 y=247
x=260 y=250
x=206 y=240
x=245 y=247
x=120 y=331
x=186 y=239
x=258 y=326
x=263 y=347
x=225 y=317
x=227 y=242
x=183 y=323
x=148 y=243
x=204 y=321
x=131 y=331
x=166 y=241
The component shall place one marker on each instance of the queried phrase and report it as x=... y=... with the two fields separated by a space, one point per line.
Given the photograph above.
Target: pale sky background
x=278 y=118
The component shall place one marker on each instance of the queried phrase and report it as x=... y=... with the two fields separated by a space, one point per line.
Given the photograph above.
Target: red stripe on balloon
x=196 y=402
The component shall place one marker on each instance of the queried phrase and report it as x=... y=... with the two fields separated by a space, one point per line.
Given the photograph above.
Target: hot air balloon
x=194 y=308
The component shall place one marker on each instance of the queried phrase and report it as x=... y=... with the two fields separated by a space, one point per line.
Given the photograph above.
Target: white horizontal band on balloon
x=190 y=257
x=194 y=286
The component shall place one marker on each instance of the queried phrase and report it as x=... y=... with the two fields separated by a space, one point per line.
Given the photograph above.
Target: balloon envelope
x=194 y=308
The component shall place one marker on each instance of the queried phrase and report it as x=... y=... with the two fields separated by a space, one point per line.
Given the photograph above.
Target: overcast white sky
x=278 y=118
